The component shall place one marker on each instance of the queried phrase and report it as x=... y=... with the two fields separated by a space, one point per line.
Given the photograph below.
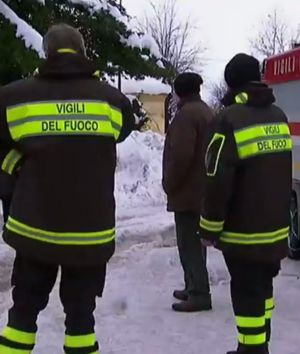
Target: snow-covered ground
x=135 y=316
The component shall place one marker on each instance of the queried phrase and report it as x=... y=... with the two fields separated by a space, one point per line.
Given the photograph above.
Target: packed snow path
x=135 y=317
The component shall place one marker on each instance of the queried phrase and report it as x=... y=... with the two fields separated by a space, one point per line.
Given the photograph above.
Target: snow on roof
x=149 y=86
x=30 y=36
x=135 y=39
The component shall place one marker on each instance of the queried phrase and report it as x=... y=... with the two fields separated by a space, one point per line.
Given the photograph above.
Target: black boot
x=243 y=350
x=194 y=304
x=181 y=295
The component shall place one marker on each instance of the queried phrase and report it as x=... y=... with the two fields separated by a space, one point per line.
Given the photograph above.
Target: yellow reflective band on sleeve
x=241 y=98
x=263 y=139
x=212 y=226
x=257 y=238
x=10 y=161
x=17 y=336
x=7 y=350
x=250 y=322
x=269 y=314
x=61 y=238
x=218 y=140
x=116 y=122
x=270 y=305
x=81 y=341
x=64 y=118
x=66 y=50
x=252 y=339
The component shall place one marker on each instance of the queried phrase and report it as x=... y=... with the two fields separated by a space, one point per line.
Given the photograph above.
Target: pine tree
x=105 y=37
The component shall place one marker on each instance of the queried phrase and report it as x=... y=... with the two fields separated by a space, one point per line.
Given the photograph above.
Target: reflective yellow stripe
x=263 y=139
x=66 y=50
x=209 y=225
x=265 y=146
x=241 y=98
x=249 y=133
x=6 y=350
x=269 y=314
x=270 y=305
x=116 y=121
x=10 y=161
x=63 y=238
x=80 y=341
x=64 y=117
x=250 y=322
x=17 y=336
x=215 y=138
x=252 y=339
x=257 y=238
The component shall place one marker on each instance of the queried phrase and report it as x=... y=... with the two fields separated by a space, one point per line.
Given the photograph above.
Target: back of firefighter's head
x=241 y=70
x=187 y=84
x=63 y=38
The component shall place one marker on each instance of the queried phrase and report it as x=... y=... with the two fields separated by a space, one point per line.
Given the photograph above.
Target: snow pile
x=139 y=171
x=33 y=40
x=149 y=86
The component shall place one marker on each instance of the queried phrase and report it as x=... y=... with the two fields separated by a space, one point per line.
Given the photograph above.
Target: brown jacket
x=183 y=161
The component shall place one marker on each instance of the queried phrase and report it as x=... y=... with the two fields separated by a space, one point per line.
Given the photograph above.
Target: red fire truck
x=282 y=73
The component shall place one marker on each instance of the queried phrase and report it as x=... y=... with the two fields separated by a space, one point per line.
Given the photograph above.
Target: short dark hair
x=187 y=84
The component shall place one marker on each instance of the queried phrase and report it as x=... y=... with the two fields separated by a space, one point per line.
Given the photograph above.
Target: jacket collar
x=67 y=65
x=189 y=99
x=255 y=94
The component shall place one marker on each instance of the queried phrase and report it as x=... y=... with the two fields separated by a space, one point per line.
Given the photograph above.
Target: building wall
x=155 y=107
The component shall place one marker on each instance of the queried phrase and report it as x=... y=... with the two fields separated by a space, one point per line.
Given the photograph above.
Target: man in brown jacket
x=183 y=181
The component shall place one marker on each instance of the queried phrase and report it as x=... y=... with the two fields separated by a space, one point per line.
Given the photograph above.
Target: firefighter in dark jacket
x=58 y=133
x=183 y=182
x=246 y=207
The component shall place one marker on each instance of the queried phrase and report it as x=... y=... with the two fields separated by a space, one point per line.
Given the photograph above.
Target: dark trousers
x=192 y=254
x=33 y=282
x=253 y=303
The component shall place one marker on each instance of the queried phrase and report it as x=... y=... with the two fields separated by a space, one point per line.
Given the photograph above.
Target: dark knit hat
x=63 y=38
x=241 y=70
x=187 y=84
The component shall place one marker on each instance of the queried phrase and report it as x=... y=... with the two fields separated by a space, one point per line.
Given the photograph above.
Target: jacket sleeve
x=181 y=149
x=128 y=121
x=221 y=161
x=10 y=156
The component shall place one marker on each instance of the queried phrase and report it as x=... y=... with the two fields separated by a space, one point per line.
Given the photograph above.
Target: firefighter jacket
x=249 y=177
x=58 y=133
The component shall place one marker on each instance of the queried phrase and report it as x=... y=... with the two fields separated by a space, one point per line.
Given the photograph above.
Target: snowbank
x=139 y=171
x=149 y=86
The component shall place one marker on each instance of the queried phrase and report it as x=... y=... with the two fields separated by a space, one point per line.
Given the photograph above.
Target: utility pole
x=120 y=71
